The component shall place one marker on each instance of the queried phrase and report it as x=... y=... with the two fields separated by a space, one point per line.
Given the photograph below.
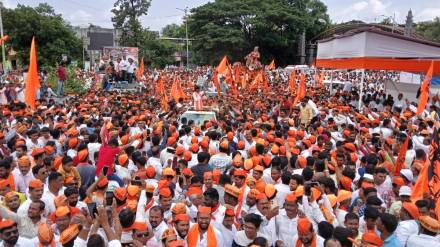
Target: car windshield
x=198 y=118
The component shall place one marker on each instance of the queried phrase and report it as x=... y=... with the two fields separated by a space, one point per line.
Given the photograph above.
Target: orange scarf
x=300 y=244
x=193 y=236
x=213 y=210
x=240 y=205
x=327 y=214
x=52 y=244
x=149 y=204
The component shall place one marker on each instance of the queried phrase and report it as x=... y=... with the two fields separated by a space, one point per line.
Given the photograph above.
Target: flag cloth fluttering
x=301 y=88
x=292 y=81
x=216 y=82
x=3 y=39
x=401 y=157
x=424 y=90
x=140 y=70
x=176 y=90
x=222 y=67
x=428 y=181
x=258 y=79
x=271 y=65
x=32 y=83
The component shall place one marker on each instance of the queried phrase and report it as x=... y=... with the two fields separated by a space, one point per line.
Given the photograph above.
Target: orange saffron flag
x=424 y=90
x=176 y=90
x=271 y=65
x=140 y=70
x=421 y=187
x=160 y=89
x=243 y=81
x=265 y=82
x=401 y=157
x=301 y=88
x=32 y=79
x=216 y=82
x=258 y=79
x=3 y=39
x=237 y=72
x=222 y=67
x=292 y=81
x=229 y=75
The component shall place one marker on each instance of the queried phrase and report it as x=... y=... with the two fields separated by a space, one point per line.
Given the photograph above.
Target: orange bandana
x=300 y=244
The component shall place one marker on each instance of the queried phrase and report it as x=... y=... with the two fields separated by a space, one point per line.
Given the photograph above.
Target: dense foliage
x=430 y=29
x=53 y=35
x=234 y=27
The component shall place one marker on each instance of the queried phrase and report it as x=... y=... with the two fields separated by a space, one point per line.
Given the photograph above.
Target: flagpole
x=3 y=44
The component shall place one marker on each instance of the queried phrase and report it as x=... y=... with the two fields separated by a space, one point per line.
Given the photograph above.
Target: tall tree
x=53 y=35
x=126 y=17
x=174 y=31
x=430 y=29
x=234 y=27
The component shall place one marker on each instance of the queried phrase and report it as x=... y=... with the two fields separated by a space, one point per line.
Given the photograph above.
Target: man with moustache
x=202 y=234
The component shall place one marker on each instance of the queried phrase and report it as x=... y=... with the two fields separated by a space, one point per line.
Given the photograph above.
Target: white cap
x=405 y=191
x=368 y=176
x=407 y=173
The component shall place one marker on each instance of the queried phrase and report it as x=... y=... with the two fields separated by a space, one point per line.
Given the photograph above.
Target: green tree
x=174 y=31
x=126 y=18
x=430 y=29
x=53 y=35
x=234 y=27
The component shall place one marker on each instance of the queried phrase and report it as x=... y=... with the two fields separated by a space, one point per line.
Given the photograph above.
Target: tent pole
x=331 y=82
x=361 y=93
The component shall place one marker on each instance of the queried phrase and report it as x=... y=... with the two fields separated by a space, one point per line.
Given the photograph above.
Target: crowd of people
x=111 y=169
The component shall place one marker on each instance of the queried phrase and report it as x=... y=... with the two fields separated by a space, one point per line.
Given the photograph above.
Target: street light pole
x=1 y=33
x=186 y=34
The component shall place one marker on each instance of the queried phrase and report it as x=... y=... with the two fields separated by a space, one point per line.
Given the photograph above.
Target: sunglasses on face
x=11 y=233
x=142 y=235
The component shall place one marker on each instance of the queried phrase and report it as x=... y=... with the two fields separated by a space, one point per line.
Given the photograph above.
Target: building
x=95 y=38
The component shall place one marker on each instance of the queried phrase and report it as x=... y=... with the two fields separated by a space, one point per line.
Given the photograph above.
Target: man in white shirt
x=10 y=237
x=429 y=227
x=408 y=225
x=211 y=199
x=93 y=147
x=306 y=234
x=200 y=233
x=123 y=65
x=227 y=228
x=36 y=188
x=130 y=70
x=22 y=174
x=283 y=188
x=54 y=189
x=286 y=222
x=154 y=161
x=400 y=102
x=156 y=221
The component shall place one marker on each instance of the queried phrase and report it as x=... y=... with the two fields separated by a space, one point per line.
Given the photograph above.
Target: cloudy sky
x=163 y=12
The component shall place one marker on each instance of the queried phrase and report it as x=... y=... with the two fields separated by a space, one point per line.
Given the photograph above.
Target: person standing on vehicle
x=197 y=99
x=123 y=66
x=61 y=74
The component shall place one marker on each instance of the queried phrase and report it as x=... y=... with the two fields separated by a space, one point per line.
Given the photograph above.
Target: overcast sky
x=163 y=12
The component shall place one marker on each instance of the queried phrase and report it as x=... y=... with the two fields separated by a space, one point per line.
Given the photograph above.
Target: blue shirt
x=392 y=241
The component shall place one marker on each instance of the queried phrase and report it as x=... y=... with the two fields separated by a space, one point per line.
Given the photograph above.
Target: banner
x=115 y=52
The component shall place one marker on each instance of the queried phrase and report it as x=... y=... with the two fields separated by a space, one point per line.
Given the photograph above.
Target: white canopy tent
x=373 y=49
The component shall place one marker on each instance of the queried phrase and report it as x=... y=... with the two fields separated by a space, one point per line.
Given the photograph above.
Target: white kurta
x=286 y=228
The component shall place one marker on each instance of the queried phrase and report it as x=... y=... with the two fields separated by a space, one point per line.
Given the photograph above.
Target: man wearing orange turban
x=203 y=233
x=409 y=214
x=306 y=234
